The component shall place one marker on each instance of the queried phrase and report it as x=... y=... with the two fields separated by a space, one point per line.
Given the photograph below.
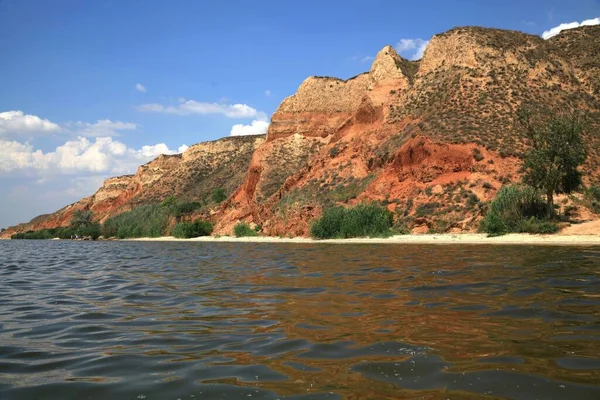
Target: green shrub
x=400 y=228
x=426 y=209
x=186 y=230
x=473 y=200
x=330 y=224
x=517 y=209
x=535 y=225
x=592 y=197
x=38 y=235
x=242 y=229
x=363 y=220
x=143 y=221
x=185 y=208
x=594 y=192
x=169 y=202
x=92 y=230
x=218 y=195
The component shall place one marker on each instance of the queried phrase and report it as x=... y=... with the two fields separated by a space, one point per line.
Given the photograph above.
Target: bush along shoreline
x=151 y=220
x=363 y=220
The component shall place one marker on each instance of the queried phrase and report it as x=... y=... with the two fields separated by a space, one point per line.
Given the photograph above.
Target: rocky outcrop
x=322 y=104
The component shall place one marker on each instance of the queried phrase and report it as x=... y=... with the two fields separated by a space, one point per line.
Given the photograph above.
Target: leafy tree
x=81 y=218
x=219 y=195
x=92 y=230
x=557 y=150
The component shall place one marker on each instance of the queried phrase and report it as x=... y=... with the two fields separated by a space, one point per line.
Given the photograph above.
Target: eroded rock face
x=322 y=104
x=389 y=66
x=318 y=108
x=113 y=187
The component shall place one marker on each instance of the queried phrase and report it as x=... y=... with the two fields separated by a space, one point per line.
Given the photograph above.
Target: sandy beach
x=443 y=239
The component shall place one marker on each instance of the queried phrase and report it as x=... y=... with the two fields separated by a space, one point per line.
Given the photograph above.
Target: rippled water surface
x=133 y=320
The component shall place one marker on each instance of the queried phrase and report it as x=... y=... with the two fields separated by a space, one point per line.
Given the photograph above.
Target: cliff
x=431 y=139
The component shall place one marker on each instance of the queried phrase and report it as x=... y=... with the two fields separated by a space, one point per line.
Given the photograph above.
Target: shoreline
x=443 y=239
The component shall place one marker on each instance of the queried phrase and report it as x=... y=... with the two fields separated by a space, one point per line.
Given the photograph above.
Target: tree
x=81 y=218
x=218 y=195
x=557 y=150
x=82 y=224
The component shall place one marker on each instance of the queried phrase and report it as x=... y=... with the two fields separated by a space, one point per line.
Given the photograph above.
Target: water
x=133 y=320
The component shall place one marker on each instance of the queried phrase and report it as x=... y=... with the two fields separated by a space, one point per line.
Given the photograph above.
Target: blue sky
x=85 y=85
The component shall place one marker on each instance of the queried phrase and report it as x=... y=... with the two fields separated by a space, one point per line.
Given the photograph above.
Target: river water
x=181 y=320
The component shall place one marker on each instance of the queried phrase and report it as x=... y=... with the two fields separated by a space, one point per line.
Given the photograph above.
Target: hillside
x=189 y=176
x=432 y=139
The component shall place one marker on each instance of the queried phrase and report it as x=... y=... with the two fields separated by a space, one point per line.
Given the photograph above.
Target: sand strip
x=465 y=238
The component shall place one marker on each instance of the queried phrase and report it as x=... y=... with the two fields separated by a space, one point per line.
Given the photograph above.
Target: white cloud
x=103 y=155
x=413 y=49
x=569 y=25
x=15 y=123
x=188 y=107
x=407 y=44
x=18 y=123
x=257 y=127
x=103 y=127
x=267 y=92
x=140 y=88
x=420 y=51
x=182 y=148
x=155 y=150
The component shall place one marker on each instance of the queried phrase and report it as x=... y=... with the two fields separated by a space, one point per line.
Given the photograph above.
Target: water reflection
x=175 y=320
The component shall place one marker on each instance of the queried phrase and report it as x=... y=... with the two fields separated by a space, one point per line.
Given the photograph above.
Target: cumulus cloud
x=140 y=88
x=257 y=127
x=18 y=123
x=102 y=155
x=188 y=107
x=103 y=127
x=15 y=123
x=413 y=49
x=569 y=25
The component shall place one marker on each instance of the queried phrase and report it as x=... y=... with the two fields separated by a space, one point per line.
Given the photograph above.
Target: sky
x=93 y=89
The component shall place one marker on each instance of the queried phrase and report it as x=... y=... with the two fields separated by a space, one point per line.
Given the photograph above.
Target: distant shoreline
x=463 y=238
